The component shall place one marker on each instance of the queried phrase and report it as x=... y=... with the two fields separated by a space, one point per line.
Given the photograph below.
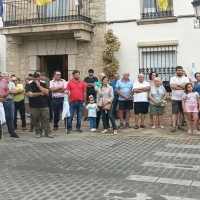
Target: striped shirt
x=62 y=83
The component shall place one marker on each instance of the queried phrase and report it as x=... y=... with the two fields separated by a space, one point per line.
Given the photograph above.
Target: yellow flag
x=163 y=4
x=42 y=2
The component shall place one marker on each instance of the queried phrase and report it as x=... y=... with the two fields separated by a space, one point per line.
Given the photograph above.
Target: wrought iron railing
x=162 y=60
x=26 y=12
x=152 y=10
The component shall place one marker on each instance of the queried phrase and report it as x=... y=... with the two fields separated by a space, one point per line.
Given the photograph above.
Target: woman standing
x=157 y=96
x=26 y=100
x=104 y=103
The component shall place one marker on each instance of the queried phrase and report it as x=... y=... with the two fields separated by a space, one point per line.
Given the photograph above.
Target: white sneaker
x=115 y=132
x=196 y=132
x=104 y=131
x=92 y=130
x=190 y=131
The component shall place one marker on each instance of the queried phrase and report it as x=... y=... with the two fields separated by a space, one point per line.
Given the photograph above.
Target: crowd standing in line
x=43 y=100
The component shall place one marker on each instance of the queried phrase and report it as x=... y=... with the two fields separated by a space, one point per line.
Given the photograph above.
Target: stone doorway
x=49 y=64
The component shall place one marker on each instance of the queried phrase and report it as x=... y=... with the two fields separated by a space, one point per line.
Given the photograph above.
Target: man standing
x=77 y=91
x=19 y=103
x=124 y=89
x=8 y=104
x=90 y=80
x=57 y=87
x=37 y=93
x=141 y=89
x=49 y=98
x=177 y=84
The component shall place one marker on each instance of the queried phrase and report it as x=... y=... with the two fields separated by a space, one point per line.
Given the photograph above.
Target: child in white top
x=92 y=113
x=190 y=102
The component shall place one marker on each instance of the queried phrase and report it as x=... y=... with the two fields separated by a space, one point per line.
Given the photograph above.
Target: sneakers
x=85 y=119
x=93 y=130
x=196 y=132
x=127 y=125
x=173 y=129
x=68 y=131
x=38 y=135
x=121 y=125
x=79 y=130
x=190 y=131
x=55 y=128
x=49 y=135
x=115 y=132
x=31 y=129
x=14 y=135
x=104 y=131
x=181 y=128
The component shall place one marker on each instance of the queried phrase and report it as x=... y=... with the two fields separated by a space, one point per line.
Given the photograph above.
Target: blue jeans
x=92 y=121
x=115 y=103
x=78 y=106
x=57 y=104
x=110 y=116
x=9 y=112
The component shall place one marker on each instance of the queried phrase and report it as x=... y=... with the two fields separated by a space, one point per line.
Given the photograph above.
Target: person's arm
x=96 y=88
x=183 y=105
x=44 y=90
x=151 y=98
x=118 y=92
x=199 y=103
x=145 y=89
x=13 y=90
x=54 y=89
x=165 y=95
x=111 y=94
x=175 y=87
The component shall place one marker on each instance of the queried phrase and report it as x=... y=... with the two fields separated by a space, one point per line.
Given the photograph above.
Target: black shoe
x=14 y=135
x=79 y=130
x=31 y=130
x=127 y=125
x=85 y=119
x=121 y=125
x=68 y=131
x=55 y=128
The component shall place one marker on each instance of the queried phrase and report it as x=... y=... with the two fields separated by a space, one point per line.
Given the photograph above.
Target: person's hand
x=2 y=99
x=184 y=111
x=37 y=83
x=104 y=104
x=98 y=109
x=84 y=104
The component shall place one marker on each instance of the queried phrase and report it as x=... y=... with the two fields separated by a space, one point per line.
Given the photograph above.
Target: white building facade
x=153 y=39
x=2 y=51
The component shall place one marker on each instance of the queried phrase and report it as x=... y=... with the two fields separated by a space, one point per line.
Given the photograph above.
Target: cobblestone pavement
x=147 y=166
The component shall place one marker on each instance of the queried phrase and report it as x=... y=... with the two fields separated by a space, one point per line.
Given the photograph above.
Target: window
x=152 y=10
x=159 y=59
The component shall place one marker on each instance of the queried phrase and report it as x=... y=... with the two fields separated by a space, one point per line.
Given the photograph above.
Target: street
x=100 y=167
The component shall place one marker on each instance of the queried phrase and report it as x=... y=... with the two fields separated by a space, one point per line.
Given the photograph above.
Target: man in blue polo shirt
x=124 y=89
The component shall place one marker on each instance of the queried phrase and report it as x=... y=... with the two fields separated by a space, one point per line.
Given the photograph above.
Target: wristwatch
x=140 y=88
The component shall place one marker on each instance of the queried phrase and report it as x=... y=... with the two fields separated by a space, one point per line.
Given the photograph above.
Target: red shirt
x=77 y=90
x=3 y=87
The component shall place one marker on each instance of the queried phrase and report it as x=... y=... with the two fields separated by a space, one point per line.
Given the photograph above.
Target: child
x=190 y=101
x=92 y=113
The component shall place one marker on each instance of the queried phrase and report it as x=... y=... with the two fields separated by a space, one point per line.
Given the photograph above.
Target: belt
x=58 y=97
x=76 y=101
x=9 y=99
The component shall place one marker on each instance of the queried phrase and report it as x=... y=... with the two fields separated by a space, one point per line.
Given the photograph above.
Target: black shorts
x=177 y=106
x=126 y=105
x=141 y=107
x=93 y=94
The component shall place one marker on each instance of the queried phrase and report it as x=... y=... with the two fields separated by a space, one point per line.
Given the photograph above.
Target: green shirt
x=47 y=81
x=97 y=84
x=19 y=97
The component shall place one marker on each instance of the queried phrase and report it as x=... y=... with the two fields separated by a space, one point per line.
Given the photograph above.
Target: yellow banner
x=42 y=2
x=163 y=4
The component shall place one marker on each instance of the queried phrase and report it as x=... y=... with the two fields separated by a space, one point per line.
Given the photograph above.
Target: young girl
x=190 y=101
x=92 y=113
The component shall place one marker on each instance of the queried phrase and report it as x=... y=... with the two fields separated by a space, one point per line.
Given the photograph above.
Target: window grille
x=162 y=60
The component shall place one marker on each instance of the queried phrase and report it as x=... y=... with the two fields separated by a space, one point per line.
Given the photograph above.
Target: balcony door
x=58 y=8
x=49 y=64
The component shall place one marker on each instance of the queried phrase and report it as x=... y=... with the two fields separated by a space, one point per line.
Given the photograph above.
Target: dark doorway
x=49 y=64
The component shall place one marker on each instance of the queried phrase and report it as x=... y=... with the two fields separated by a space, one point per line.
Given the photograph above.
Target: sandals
x=162 y=127
x=136 y=127
x=142 y=126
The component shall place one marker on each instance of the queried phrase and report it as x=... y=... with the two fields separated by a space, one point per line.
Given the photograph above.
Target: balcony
x=24 y=18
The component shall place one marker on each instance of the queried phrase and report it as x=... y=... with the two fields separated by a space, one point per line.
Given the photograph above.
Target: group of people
x=43 y=99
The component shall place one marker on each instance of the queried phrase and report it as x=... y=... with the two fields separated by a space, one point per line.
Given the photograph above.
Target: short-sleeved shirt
x=11 y=86
x=197 y=87
x=39 y=101
x=178 y=94
x=97 y=84
x=88 y=79
x=61 y=83
x=77 y=89
x=143 y=96
x=19 y=97
x=113 y=85
x=47 y=81
x=92 y=109
x=125 y=88
x=3 y=86
x=157 y=94
x=191 y=97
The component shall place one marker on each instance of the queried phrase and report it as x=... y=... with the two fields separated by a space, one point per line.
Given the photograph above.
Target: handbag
x=107 y=106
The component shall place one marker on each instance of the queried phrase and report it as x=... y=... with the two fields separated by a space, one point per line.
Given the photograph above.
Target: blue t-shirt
x=113 y=85
x=125 y=88
x=197 y=87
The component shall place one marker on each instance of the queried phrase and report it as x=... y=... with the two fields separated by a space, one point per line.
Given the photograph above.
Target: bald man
x=141 y=89
x=124 y=89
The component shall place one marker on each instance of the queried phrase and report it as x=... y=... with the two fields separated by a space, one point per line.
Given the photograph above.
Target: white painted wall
x=2 y=51
x=130 y=34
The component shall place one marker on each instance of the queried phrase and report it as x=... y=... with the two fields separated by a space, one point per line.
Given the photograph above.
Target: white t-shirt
x=92 y=109
x=178 y=94
x=143 y=96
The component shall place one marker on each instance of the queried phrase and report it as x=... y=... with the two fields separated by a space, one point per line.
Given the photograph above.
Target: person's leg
x=115 y=102
x=56 y=111
x=136 y=119
x=195 y=118
x=112 y=119
x=175 y=111
x=121 y=112
x=44 y=118
x=144 y=106
x=160 y=118
x=60 y=105
x=49 y=101
x=103 y=114
x=91 y=122
x=143 y=118
x=35 y=116
x=128 y=106
x=127 y=116
x=98 y=119
x=15 y=115
x=180 y=121
x=79 y=114
x=72 y=107
x=189 y=119
x=94 y=123
x=137 y=112
x=154 y=120
x=22 y=114
x=107 y=120
x=174 y=119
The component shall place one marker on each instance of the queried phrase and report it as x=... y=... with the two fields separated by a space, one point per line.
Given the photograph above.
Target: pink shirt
x=61 y=83
x=3 y=87
x=191 y=97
